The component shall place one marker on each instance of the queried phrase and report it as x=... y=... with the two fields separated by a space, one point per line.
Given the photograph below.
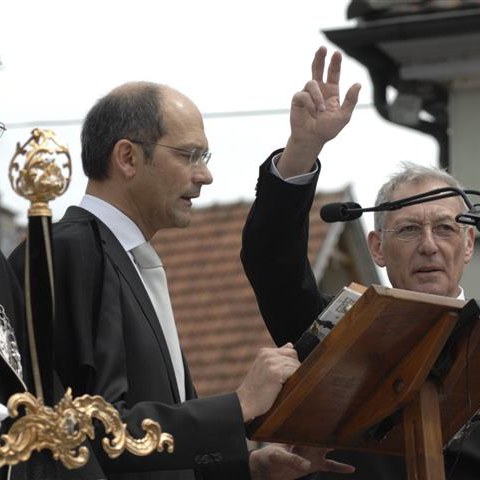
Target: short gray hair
x=410 y=173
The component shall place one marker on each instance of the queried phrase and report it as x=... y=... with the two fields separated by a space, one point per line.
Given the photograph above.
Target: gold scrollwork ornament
x=40 y=179
x=64 y=428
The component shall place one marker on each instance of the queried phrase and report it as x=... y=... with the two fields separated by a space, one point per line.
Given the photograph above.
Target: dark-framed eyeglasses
x=196 y=156
x=444 y=230
x=2 y=128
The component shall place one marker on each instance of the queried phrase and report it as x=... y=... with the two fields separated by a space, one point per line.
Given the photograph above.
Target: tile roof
x=216 y=312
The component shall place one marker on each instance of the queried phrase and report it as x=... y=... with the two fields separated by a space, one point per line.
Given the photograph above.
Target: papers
x=335 y=310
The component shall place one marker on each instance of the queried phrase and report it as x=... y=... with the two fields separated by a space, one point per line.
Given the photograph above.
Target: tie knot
x=145 y=256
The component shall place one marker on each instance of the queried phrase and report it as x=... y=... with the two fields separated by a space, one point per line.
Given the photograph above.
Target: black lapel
x=122 y=263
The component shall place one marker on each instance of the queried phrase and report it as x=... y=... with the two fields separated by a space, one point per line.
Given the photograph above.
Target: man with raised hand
x=421 y=246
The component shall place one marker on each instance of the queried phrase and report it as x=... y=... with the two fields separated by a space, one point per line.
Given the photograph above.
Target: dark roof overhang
x=419 y=56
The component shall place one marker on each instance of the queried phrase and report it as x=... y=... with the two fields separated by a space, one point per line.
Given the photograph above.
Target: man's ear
x=375 y=247
x=125 y=158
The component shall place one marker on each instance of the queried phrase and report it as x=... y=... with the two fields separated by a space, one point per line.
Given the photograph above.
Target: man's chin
x=434 y=283
x=431 y=288
x=183 y=221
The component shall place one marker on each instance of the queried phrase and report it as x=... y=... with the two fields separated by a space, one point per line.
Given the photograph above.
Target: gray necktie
x=155 y=281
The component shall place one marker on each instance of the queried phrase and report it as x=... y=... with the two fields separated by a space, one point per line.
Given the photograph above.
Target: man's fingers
x=304 y=100
x=337 y=467
x=318 y=459
x=288 y=365
x=313 y=89
x=333 y=74
x=318 y=64
x=334 y=68
x=310 y=98
x=288 y=351
x=291 y=460
x=351 y=98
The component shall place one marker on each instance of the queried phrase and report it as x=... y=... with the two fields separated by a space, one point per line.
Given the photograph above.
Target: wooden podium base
x=423 y=435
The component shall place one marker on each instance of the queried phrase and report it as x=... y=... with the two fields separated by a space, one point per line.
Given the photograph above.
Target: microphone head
x=340 y=212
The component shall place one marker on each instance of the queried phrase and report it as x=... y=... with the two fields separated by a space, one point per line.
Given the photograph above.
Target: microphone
x=344 y=212
x=341 y=212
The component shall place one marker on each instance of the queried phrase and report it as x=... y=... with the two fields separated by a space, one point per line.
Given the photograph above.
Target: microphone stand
x=471 y=217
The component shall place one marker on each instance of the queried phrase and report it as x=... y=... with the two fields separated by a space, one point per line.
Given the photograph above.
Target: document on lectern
x=328 y=318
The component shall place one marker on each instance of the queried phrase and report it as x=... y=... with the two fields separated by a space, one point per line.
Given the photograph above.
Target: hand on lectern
x=263 y=382
x=287 y=462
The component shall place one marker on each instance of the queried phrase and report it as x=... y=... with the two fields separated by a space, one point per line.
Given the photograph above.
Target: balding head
x=132 y=110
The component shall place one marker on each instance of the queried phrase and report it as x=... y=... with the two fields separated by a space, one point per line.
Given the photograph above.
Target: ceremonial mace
x=62 y=428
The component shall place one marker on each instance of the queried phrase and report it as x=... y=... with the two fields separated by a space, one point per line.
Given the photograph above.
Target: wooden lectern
x=394 y=376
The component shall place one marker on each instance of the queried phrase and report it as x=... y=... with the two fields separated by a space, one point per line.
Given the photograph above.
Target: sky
x=240 y=62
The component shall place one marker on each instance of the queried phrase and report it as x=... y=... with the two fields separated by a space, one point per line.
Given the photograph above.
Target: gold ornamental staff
x=62 y=428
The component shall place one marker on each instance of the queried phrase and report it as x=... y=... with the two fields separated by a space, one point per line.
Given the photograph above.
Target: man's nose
x=428 y=243
x=202 y=175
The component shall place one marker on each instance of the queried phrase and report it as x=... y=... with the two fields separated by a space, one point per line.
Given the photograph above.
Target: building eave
x=418 y=55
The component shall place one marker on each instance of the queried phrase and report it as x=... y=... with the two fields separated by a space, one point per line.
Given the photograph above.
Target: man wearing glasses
x=145 y=154
x=421 y=246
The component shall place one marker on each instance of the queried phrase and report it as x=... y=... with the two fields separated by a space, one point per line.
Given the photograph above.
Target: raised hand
x=317 y=115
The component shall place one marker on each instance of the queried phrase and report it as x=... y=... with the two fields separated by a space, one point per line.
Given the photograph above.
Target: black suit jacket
x=274 y=256
x=11 y=320
x=109 y=342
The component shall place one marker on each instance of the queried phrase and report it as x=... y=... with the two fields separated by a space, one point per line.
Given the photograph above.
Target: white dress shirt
x=302 y=179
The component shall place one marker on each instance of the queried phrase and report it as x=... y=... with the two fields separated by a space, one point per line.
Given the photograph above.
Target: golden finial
x=40 y=179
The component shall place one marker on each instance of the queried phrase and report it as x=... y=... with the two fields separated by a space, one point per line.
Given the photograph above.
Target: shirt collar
x=125 y=230
x=461 y=295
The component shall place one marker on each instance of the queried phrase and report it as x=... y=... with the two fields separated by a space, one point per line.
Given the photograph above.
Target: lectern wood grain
x=423 y=435
x=370 y=348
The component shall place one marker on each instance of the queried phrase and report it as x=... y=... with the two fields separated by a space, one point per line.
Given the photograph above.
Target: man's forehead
x=414 y=188
x=423 y=214
x=433 y=210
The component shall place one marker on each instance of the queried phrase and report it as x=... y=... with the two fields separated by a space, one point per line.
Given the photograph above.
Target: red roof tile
x=220 y=327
